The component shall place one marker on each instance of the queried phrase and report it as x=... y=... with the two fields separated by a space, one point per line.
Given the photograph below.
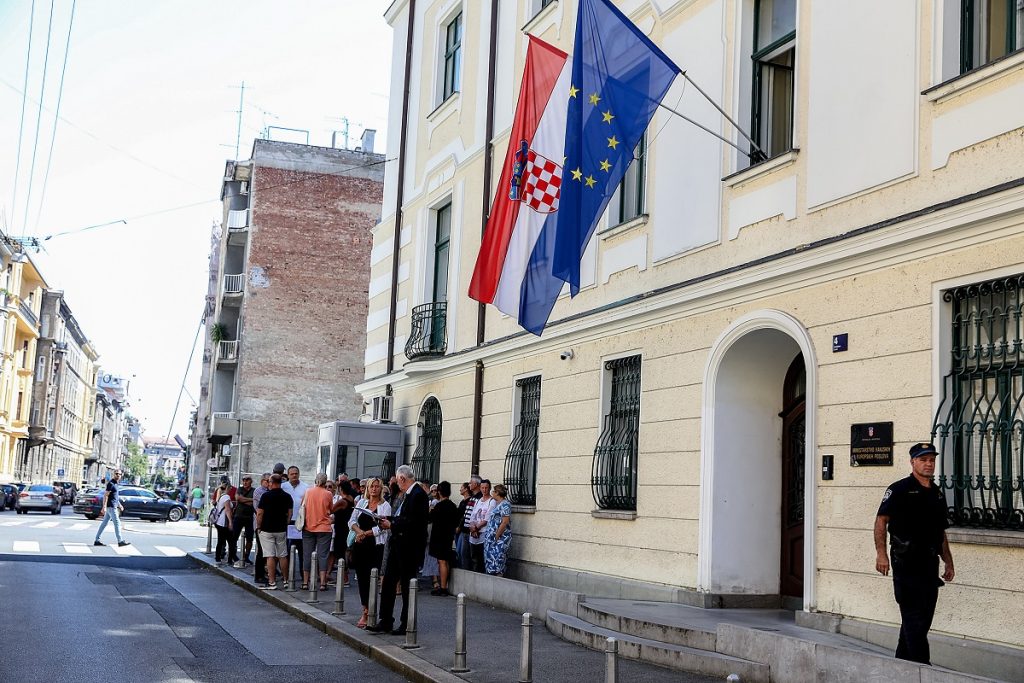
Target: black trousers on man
x=395 y=571
x=260 y=575
x=917 y=591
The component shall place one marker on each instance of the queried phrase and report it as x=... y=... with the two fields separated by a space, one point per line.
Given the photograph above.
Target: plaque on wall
x=871 y=444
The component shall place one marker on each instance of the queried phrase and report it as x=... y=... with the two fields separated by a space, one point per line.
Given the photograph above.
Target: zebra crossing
x=79 y=548
x=38 y=535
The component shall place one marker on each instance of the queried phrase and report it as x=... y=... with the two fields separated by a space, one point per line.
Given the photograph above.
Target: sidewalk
x=493 y=640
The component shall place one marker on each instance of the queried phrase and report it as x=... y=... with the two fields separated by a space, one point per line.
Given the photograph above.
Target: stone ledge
x=614 y=514
x=1007 y=539
x=525 y=509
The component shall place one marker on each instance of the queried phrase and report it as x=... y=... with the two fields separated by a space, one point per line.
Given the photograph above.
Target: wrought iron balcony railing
x=428 y=336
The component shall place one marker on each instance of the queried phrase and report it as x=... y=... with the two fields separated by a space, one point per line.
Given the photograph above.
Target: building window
x=521 y=458
x=979 y=427
x=989 y=29
x=628 y=201
x=426 y=459
x=452 y=57
x=613 y=478
x=774 y=59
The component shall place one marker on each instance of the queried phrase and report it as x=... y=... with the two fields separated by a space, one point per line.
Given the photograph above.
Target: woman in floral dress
x=498 y=534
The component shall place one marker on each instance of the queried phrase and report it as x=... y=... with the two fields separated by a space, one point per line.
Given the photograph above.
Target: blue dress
x=496 y=550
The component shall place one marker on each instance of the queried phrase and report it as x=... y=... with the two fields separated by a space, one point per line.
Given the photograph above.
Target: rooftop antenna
x=241 y=106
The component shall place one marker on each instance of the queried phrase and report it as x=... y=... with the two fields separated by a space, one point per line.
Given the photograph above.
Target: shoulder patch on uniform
x=886 y=495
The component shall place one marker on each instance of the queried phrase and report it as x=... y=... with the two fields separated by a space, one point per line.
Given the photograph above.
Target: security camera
x=566 y=355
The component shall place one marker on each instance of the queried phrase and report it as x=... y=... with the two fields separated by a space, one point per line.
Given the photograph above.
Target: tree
x=136 y=463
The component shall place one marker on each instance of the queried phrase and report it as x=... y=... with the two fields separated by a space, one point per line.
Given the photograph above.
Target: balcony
x=26 y=310
x=227 y=351
x=234 y=286
x=238 y=220
x=428 y=336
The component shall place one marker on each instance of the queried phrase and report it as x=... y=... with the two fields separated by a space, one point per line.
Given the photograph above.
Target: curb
x=393 y=657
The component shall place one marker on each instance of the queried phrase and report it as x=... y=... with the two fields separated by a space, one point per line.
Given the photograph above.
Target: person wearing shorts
x=272 y=518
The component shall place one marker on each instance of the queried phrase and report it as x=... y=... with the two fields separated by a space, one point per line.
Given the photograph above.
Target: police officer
x=914 y=512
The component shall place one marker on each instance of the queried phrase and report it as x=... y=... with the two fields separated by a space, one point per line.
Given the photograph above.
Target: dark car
x=137 y=502
x=10 y=496
x=70 y=490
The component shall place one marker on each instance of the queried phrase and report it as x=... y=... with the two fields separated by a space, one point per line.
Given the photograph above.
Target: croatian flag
x=576 y=125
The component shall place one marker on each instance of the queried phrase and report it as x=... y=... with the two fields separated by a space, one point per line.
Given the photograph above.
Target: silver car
x=39 y=497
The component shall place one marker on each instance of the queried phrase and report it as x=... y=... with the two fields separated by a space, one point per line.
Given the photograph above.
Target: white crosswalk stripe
x=79 y=526
x=77 y=549
x=170 y=551
x=14 y=522
x=45 y=525
x=26 y=546
x=126 y=550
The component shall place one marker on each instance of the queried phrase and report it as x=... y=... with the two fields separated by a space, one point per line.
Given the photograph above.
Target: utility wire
x=180 y=207
x=56 y=118
x=24 y=99
x=192 y=353
x=39 y=119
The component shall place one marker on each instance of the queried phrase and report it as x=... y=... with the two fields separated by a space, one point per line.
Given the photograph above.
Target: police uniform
x=917 y=521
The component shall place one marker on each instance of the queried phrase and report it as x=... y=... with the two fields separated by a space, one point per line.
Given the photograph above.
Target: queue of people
x=404 y=529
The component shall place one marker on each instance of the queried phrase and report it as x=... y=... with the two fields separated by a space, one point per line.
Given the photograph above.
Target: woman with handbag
x=367 y=539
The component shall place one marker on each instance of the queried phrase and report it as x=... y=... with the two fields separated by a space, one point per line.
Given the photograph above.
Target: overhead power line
x=24 y=99
x=39 y=118
x=56 y=118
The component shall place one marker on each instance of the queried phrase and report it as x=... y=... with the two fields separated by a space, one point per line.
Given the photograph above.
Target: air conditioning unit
x=243 y=187
x=382 y=409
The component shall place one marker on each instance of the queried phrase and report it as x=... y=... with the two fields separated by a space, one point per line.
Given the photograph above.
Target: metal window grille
x=979 y=426
x=388 y=468
x=613 y=478
x=426 y=459
x=521 y=459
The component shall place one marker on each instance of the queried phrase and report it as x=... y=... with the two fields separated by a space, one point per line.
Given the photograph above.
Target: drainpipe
x=481 y=316
x=400 y=192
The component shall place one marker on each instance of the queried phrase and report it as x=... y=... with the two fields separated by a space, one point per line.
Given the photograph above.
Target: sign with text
x=871 y=444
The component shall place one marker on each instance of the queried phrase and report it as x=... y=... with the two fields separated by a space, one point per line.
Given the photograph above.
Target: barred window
x=613 y=478
x=426 y=459
x=980 y=422
x=521 y=459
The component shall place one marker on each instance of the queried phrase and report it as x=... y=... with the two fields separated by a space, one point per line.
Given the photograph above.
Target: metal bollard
x=526 y=653
x=611 y=661
x=410 y=626
x=371 y=607
x=293 y=583
x=339 y=590
x=209 y=539
x=459 y=666
x=314 y=579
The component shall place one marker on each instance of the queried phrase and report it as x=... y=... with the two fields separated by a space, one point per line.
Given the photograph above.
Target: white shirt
x=481 y=513
x=383 y=510
x=296 y=492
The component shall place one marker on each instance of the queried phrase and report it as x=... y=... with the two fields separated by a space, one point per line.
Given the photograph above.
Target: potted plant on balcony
x=218 y=332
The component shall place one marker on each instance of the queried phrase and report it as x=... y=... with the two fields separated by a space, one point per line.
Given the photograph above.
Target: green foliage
x=136 y=463
x=218 y=333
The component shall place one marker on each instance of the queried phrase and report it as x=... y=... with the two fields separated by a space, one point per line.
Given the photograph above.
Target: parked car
x=42 y=497
x=70 y=490
x=10 y=496
x=137 y=502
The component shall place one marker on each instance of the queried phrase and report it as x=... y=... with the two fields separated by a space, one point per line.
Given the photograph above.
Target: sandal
x=305 y=587
x=362 y=620
x=323 y=588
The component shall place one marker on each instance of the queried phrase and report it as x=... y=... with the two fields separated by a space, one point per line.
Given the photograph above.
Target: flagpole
x=727 y=117
x=704 y=128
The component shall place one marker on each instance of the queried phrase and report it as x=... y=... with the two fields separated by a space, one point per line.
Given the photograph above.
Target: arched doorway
x=757 y=490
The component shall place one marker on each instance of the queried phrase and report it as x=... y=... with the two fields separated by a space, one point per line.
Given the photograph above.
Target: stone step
x=671 y=655
x=687 y=636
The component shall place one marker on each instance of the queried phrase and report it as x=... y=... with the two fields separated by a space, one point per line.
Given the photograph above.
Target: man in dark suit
x=406 y=547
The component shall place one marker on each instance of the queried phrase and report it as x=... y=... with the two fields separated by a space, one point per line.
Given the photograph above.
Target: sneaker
x=98 y=543
x=238 y=565
x=287 y=586
x=121 y=544
x=269 y=587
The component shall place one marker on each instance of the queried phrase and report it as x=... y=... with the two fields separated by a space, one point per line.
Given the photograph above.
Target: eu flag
x=619 y=77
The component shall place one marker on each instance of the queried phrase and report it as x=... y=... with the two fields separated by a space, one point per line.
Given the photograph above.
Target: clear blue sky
x=149 y=99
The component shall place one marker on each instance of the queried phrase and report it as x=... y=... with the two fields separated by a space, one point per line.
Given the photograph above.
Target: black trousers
x=261 y=563
x=365 y=561
x=225 y=542
x=241 y=524
x=395 y=572
x=917 y=591
x=477 y=552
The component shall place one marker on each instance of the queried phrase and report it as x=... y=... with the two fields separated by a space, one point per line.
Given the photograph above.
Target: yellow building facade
x=685 y=428
x=21 y=294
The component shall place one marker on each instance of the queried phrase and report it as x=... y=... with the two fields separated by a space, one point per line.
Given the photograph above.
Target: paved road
x=105 y=616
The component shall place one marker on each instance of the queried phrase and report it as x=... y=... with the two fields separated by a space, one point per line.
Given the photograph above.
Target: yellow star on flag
x=605 y=165
x=590 y=181
x=608 y=116
x=594 y=99
x=573 y=90
x=577 y=173
x=613 y=142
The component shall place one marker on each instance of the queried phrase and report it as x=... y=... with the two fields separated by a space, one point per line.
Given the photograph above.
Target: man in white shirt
x=296 y=489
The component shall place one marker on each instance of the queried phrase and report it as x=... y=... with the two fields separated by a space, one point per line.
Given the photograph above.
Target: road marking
x=77 y=549
x=16 y=522
x=78 y=527
x=26 y=546
x=126 y=550
x=45 y=525
x=170 y=551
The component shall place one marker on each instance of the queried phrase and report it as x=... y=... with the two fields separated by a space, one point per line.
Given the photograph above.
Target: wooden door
x=793 y=454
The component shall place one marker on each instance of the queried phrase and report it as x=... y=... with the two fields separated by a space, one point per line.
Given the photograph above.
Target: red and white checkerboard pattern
x=542 y=183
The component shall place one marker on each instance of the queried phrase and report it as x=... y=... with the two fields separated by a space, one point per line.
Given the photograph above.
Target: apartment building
x=111 y=421
x=760 y=333
x=286 y=324
x=63 y=395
